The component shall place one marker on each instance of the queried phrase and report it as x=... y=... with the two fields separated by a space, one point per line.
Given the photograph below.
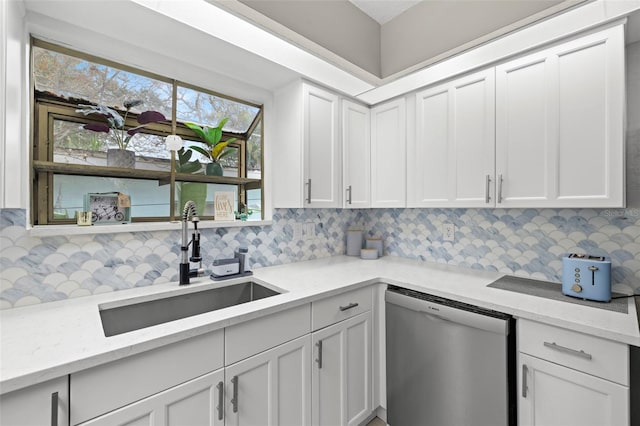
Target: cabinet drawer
x=251 y=337
x=340 y=307
x=104 y=388
x=593 y=355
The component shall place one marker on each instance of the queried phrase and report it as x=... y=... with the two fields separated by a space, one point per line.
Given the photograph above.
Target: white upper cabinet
x=307 y=170
x=356 y=155
x=388 y=154
x=450 y=162
x=560 y=123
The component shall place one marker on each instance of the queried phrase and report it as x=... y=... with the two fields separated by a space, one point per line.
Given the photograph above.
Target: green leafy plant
x=212 y=136
x=185 y=164
x=115 y=123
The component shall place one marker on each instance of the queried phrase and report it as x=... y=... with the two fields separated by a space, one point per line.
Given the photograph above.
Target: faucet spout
x=190 y=212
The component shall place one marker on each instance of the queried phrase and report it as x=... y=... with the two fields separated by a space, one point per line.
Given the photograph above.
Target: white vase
x=121 y=158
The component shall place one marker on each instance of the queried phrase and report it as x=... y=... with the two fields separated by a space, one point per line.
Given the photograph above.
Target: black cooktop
x=551 y=290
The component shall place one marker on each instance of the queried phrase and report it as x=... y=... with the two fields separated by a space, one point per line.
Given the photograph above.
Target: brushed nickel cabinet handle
x=319 y=359
x=220 y=406
x=349 y=196
x=349 y=306
x=308 y=191
x=525 y=372
x=54 y=409
x=487 y=196
x=500 y=189
x=234 y=400
x=580 y=353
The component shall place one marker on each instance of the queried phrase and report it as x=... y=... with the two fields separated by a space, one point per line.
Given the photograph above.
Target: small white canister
x=374 y=243
x=354 y=242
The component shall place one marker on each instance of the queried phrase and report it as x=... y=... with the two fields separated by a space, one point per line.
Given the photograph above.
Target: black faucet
x=186 y=272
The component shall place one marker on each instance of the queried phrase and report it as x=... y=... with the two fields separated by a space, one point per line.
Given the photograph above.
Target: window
x=73 y=150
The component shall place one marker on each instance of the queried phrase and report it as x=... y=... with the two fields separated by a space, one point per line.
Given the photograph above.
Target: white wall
x=14 y=187
x=434 y=27
x=338 y=26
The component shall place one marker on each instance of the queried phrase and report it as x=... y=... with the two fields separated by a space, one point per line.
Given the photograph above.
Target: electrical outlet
x=309 y=231
x=297 y=231
x=448 y=232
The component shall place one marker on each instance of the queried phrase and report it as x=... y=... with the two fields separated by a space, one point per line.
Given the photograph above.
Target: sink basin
x=134 y=316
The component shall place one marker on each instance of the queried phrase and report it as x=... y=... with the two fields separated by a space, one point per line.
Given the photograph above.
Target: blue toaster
x=586 y=277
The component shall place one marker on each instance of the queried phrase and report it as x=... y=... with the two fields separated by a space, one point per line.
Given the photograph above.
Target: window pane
x=148 y=199
x=203 y=194
x=254 y=153
x=76 y=145
x=254 y=204
x=72 y=77
x=209 y=110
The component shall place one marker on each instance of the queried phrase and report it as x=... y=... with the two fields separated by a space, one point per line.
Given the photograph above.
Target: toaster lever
x=593 y=270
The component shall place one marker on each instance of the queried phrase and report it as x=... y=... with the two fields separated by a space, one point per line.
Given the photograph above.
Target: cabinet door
x=560 y=123
x=271 y=388
x=451 y=160
x=198 y=402
x=322 y=158
x=356 y=149
x=551 y=394
x=39 y=405
x=388 y=154
x=342 y=372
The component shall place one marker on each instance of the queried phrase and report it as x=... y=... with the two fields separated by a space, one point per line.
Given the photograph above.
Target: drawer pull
x=54 y=409
x=349 y=306
x=580 y=353
x=525 y=372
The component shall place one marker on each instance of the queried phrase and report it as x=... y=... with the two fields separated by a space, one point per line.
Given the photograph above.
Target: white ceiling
x=384 y=10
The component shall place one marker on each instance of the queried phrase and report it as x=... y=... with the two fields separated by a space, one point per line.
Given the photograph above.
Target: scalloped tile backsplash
x=524 y=242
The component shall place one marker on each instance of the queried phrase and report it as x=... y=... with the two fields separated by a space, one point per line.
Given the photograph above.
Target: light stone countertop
x=46 y=341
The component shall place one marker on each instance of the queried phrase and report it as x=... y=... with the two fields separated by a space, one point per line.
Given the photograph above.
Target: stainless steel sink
x=134 y=316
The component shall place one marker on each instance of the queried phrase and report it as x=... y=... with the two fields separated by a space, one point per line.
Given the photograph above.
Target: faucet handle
x=242 y=250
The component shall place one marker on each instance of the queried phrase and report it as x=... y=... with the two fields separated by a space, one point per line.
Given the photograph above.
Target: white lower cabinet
x=39 y=405
x=271 y=388
x=555 y=395
x=268 y=389
x=342 y=374
x=194 y=403
x=566 y=378
x=253 y=373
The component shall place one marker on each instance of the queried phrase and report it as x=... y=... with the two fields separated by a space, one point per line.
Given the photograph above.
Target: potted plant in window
x=216 y=148
x=115 y=127
x=194 y=191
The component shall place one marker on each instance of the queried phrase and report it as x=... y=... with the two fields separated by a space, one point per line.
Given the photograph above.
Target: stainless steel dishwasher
x=448 y=363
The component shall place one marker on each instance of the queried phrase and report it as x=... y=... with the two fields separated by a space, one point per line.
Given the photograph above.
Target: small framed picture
x=108 y=208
